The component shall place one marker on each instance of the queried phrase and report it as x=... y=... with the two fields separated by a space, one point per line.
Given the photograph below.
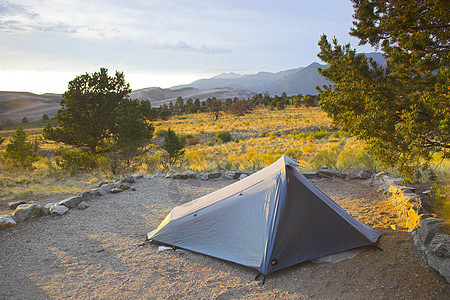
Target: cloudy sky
x=46 y=43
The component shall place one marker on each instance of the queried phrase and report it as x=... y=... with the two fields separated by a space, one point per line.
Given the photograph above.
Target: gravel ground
x=95 y=254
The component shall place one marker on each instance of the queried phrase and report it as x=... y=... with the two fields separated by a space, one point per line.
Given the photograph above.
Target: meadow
x=255 y=139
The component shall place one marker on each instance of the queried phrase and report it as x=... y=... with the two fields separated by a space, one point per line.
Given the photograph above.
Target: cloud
x=11 y=9
x=182 y=46
x=18 y=18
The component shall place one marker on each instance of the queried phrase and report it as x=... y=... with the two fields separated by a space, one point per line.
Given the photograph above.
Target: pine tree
x=19 y=151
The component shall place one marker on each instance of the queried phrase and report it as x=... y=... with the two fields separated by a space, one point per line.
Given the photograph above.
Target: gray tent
x=270 y=220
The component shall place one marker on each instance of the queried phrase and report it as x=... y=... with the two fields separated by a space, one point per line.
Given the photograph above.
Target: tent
x=270 y=220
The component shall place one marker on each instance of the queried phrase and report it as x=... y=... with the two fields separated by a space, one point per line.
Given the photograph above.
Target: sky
x=46 y=43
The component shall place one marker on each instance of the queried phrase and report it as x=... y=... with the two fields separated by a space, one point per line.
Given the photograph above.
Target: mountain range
x=16 y=105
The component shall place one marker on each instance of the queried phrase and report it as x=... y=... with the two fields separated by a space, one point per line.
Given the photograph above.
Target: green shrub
x=73 y=160
x=294 y=153
x=19 y=151
x=223 y=137
x=325 y=158
x=160 y=132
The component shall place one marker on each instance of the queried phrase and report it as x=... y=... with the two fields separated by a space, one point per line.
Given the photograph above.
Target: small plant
x=173 y=145
x=223 y=137
x=160 y=132
x=73 y=160
x=19 y=151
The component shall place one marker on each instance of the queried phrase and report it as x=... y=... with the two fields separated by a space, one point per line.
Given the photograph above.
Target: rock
x=121 y=185
x=324 y=168
x=45 y=210
x=137 y=176
x=57 y=209
x=331 y=173
x=428 y=229
x=238 y=174
x=26 y=212
x=229 y=174
x=99 y=192
x=190 y=174
x=103 y=182
x=360 y=174
x=129 y=179
x=83 y=205
x=179 y=176
x=15 y=204
x=148 y=176
x=203 y=176
x=116 y=190
x=243 y=176
x=440 y=245
x=379 y=176
x=168 y=175
x=87 y=195
x=6 y=221
x=214 y=175
x=71 y=202
x=388 y=180
x=440 y=264
x=133 y=188
x=310 y=175
x=427 y=192
x=159 y=175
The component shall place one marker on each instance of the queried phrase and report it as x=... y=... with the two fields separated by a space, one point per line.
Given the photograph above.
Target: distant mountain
x=294 y=81
x=16 y=105
x=159 y=96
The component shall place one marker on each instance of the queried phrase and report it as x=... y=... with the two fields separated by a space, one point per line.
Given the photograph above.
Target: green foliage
x=223 y=137
x=344 y=161
x=130 y=135
x=73 y=160
x=25 y=120
x=160 y=132
x=19 y=151
x=45 y=117
x=2 y=139
x=173 y=145
x=401 y=111
x=88 y=110
x=294 y=153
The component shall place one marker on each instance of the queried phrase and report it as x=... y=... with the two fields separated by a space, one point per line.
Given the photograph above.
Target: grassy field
x=257 y=140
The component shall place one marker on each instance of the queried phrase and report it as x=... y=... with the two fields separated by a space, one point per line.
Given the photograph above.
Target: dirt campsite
x=98 y=253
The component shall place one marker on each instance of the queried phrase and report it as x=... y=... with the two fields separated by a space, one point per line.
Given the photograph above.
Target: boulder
x=229 y=174
x=83 y=205
x=6 y=221
x=179 y=176
x=214 y=175
x=121 y=185
x=26 y=212
x=243 y=176
x=379 y=176
x=137 y=176
x=57 y=209
x=331 y=173
x=159 y=175
x=237 y=175
x=440 y=264
x=190 y=174
x=116 y=190
x=311 y=175
x=71 y=202
x=129 y=179
x=360 y=174
x=15 y=204
x=388 y=180
x=203 y=176
x=99 y=192
x=87 y=195
x=168 y=175
x=102 y=183
x=440 y=245
x=428 y=229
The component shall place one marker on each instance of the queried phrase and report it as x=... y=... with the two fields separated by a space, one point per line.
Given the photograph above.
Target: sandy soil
x=95 y=254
